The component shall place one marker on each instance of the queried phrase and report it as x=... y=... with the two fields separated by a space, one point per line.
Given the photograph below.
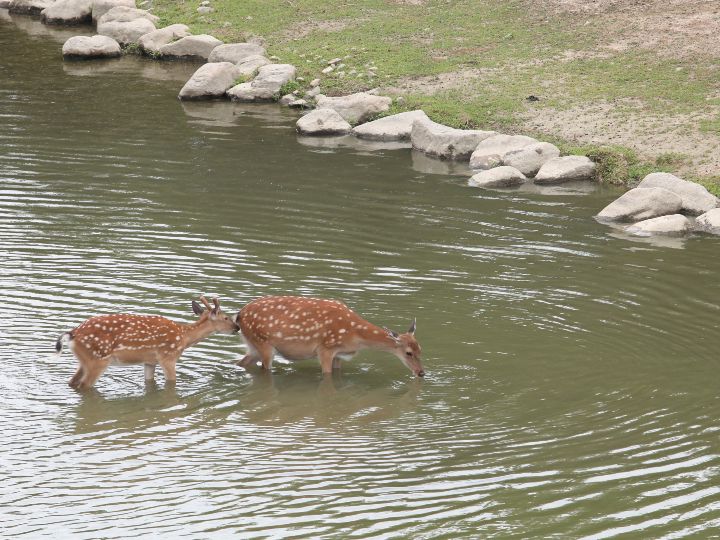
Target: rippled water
x=572 y=384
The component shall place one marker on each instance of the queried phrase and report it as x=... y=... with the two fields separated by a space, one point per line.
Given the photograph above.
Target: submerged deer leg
x=92 y=372
x=76 y=378
x=149 y=372
x=326 y=357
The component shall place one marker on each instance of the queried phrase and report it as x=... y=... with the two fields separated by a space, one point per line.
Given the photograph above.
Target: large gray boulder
x=355 y=108
x=491 y=152
x=191 y=47
x=445 y=142
x=696 y=199
x=529 y=159
x=391 y=128
x=322 y=122
x=68 y=12
x=127 y=14
x=498 y=177
x=125 y=32
x=265 y=86
x=565 y=169
x=29 y=7
x=210 y=81
x=250 y=65
x=235 y=52
x=709 y=221
x=641 y=203
x=672 y=224
x=101 y=7
x=151 y=42
x=85 y=47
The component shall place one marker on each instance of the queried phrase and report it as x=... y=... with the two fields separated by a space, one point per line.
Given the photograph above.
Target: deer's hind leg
x=256 y=352
x=168 y=367
x=75 y=381
x=92 y=371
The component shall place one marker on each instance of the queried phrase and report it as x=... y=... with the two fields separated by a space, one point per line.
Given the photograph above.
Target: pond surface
x=572 y=373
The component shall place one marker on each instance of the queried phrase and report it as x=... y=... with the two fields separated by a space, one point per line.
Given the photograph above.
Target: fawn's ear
x=197 y=310
x=413 y=326
x=394 y=335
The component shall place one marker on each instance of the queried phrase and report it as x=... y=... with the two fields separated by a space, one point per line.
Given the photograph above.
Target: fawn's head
x=408 y=350
x=214 y=316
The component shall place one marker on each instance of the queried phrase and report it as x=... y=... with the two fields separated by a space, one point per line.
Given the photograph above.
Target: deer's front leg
x=149 y=372
x=168 y=367
x=326 y=357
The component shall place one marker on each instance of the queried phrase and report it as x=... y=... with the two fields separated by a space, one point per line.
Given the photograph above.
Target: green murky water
x=572 y=385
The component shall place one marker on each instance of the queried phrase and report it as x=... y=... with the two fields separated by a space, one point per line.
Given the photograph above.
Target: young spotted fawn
x=139 y=339
x=300 y=328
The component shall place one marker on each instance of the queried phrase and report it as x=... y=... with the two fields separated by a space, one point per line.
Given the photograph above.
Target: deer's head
x=214 y=316
x=407 y=349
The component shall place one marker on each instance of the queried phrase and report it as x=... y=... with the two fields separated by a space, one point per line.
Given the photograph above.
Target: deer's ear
x=392 y=334
x=413 y=326
x=197 y=310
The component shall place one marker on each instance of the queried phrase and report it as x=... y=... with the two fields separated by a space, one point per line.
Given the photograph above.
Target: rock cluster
x=660 y=204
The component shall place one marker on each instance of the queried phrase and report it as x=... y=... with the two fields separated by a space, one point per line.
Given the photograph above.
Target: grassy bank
x=473 y=64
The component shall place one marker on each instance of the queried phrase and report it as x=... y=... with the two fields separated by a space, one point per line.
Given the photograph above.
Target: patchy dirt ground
x=685 y=32
x=650 y=135
x=670 y=28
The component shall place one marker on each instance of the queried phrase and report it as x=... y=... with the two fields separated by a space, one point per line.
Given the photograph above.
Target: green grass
x=512 y=49
x=289 y=87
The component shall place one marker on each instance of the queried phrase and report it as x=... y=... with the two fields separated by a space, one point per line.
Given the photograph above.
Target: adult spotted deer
x=139 y=339
x=300 y=328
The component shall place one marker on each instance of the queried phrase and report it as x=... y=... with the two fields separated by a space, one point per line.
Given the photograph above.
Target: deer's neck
x=374 y=337
x=195 y=332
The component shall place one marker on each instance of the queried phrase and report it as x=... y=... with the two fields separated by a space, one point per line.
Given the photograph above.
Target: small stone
x=641 y=203
x=91 y=47
x=322 y=122
x=565 y=169
x=205 y=3
x=529 y=159
x=152 y=41
x=328 y=69
x=498 y=177
x=490 y=152
x=315 y=82
x=274 y=58
x=334 y=61
x=315 y=91
x=356 y=108
x=287 y=99
x=672 y=224
x=235 y=52
x=446 y=142
x=204 y=10
x=196 y=47
x=696 y=199
x=298 y=104
x=709 y=221
x=396 y=127
x=210 y=81
x=300 y=79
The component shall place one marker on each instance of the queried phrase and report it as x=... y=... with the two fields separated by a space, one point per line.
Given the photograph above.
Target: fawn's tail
x=59 y=342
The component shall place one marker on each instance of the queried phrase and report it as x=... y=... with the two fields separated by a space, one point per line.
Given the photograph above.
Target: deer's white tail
x=59 y=342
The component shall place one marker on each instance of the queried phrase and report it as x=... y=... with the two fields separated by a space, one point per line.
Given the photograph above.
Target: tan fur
x=139 y=339
x=300 y=328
